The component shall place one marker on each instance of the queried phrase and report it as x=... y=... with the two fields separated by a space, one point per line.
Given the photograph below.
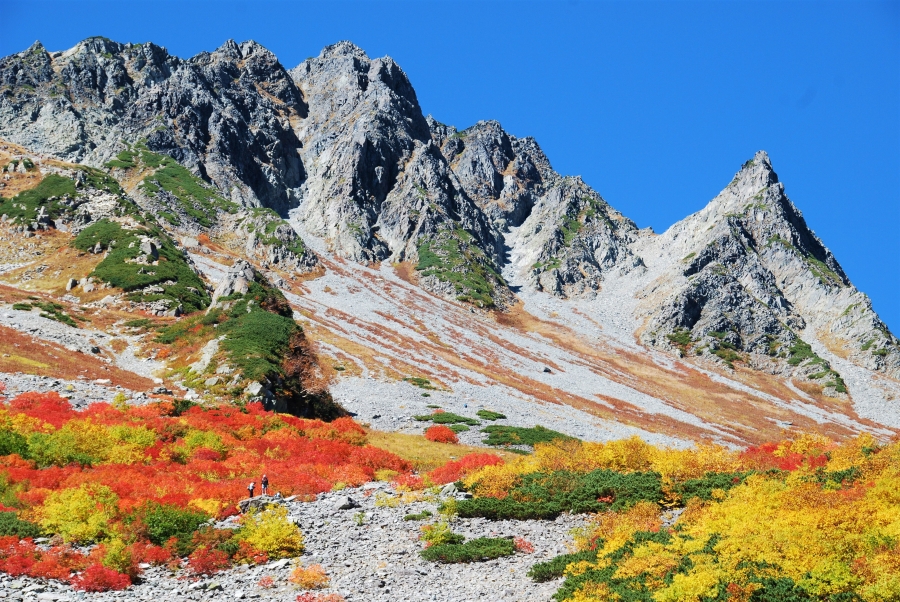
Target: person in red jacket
x=265 y=485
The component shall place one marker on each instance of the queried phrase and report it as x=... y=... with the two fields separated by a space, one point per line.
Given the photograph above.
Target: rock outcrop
x=226 y=115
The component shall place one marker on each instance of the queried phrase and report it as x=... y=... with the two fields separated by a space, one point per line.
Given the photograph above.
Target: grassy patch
x=420 y=516
x=821 y=271
x=800 y=352
x=196 y=198
x=418 y=381
x=681 y=337
x=453 y=257
x=489 y=415
x=447 y=418
x=171 y=273
x=517 y=435
x=49 y=193
x=476 y=550
x=459 y=428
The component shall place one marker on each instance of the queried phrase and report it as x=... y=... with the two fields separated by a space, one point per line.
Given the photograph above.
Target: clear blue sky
x=655 y=104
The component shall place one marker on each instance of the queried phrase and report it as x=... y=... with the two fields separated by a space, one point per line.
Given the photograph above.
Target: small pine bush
x=476 y=550
x=489 y=415
x=11 y=524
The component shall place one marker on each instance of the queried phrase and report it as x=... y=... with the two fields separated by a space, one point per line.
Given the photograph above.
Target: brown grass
x=426 y=455
x=21 y=353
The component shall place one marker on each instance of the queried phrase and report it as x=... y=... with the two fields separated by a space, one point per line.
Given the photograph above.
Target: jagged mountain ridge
x=341 y=144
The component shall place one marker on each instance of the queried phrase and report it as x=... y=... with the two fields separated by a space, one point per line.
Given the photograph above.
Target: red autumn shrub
x=98 y=578
x=523 y=545
x=441 y=434
x=456 y=469
x=208 y=561
x=149 y=553
x=408 y=481
x=250 y=555
x=204 y=453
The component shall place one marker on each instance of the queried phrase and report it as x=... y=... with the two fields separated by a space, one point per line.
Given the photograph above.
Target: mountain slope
x=300 y=171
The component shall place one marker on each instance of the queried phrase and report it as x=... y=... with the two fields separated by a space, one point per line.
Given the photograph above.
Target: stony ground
x=369 y=552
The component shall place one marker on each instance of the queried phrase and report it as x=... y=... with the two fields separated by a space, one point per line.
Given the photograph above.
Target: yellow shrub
x=212 y=507
x=118 y=557
x=313 y=577
x=271 y=532
x=80 y=515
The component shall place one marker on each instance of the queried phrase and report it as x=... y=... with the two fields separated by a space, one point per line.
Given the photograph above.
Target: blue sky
x=654 y=104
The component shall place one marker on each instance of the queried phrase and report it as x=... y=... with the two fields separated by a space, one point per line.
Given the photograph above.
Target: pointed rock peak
x=251 y=47
x=35 y=48
x=343 y=48
x=100 y=45
x=756 y=171
x=229 y=49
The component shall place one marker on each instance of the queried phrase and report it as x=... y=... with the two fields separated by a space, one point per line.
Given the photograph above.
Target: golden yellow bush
x=271 y=532
x=81 y=514
x=312 y=577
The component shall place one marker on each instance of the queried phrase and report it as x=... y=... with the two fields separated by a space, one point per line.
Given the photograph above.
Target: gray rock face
x=568 y=235
x=753 y=277
x=226 y=115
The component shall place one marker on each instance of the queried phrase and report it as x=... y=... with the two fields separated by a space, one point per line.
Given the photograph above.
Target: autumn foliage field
x=142 y=481
x=803 y=519
x=115 y=486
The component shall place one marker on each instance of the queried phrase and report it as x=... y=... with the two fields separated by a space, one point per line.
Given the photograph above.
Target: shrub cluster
x=127 y=478
x=802 y=519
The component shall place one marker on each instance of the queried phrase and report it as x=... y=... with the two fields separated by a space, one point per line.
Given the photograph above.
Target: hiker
x=251 y=487
x=265 y=485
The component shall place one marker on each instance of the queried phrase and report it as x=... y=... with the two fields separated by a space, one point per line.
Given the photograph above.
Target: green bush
x=452 y=257
x=12 y=525
x=553 y=569
x=702 y=488
x=516 y=435
x=12 y=442
x=476 y=550
x=196 y=198
x=459 y=428
x=447 y=418
x=420 y=516
x=489 y=415
x=256 y=342
x=164 y=522
x=547 y=495
x=24 y=207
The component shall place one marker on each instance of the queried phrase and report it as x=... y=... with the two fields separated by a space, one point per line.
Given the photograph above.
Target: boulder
x=344 y=502
x=237 y=280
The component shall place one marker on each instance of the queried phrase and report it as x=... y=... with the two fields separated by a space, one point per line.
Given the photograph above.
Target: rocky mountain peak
x=343 y=48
